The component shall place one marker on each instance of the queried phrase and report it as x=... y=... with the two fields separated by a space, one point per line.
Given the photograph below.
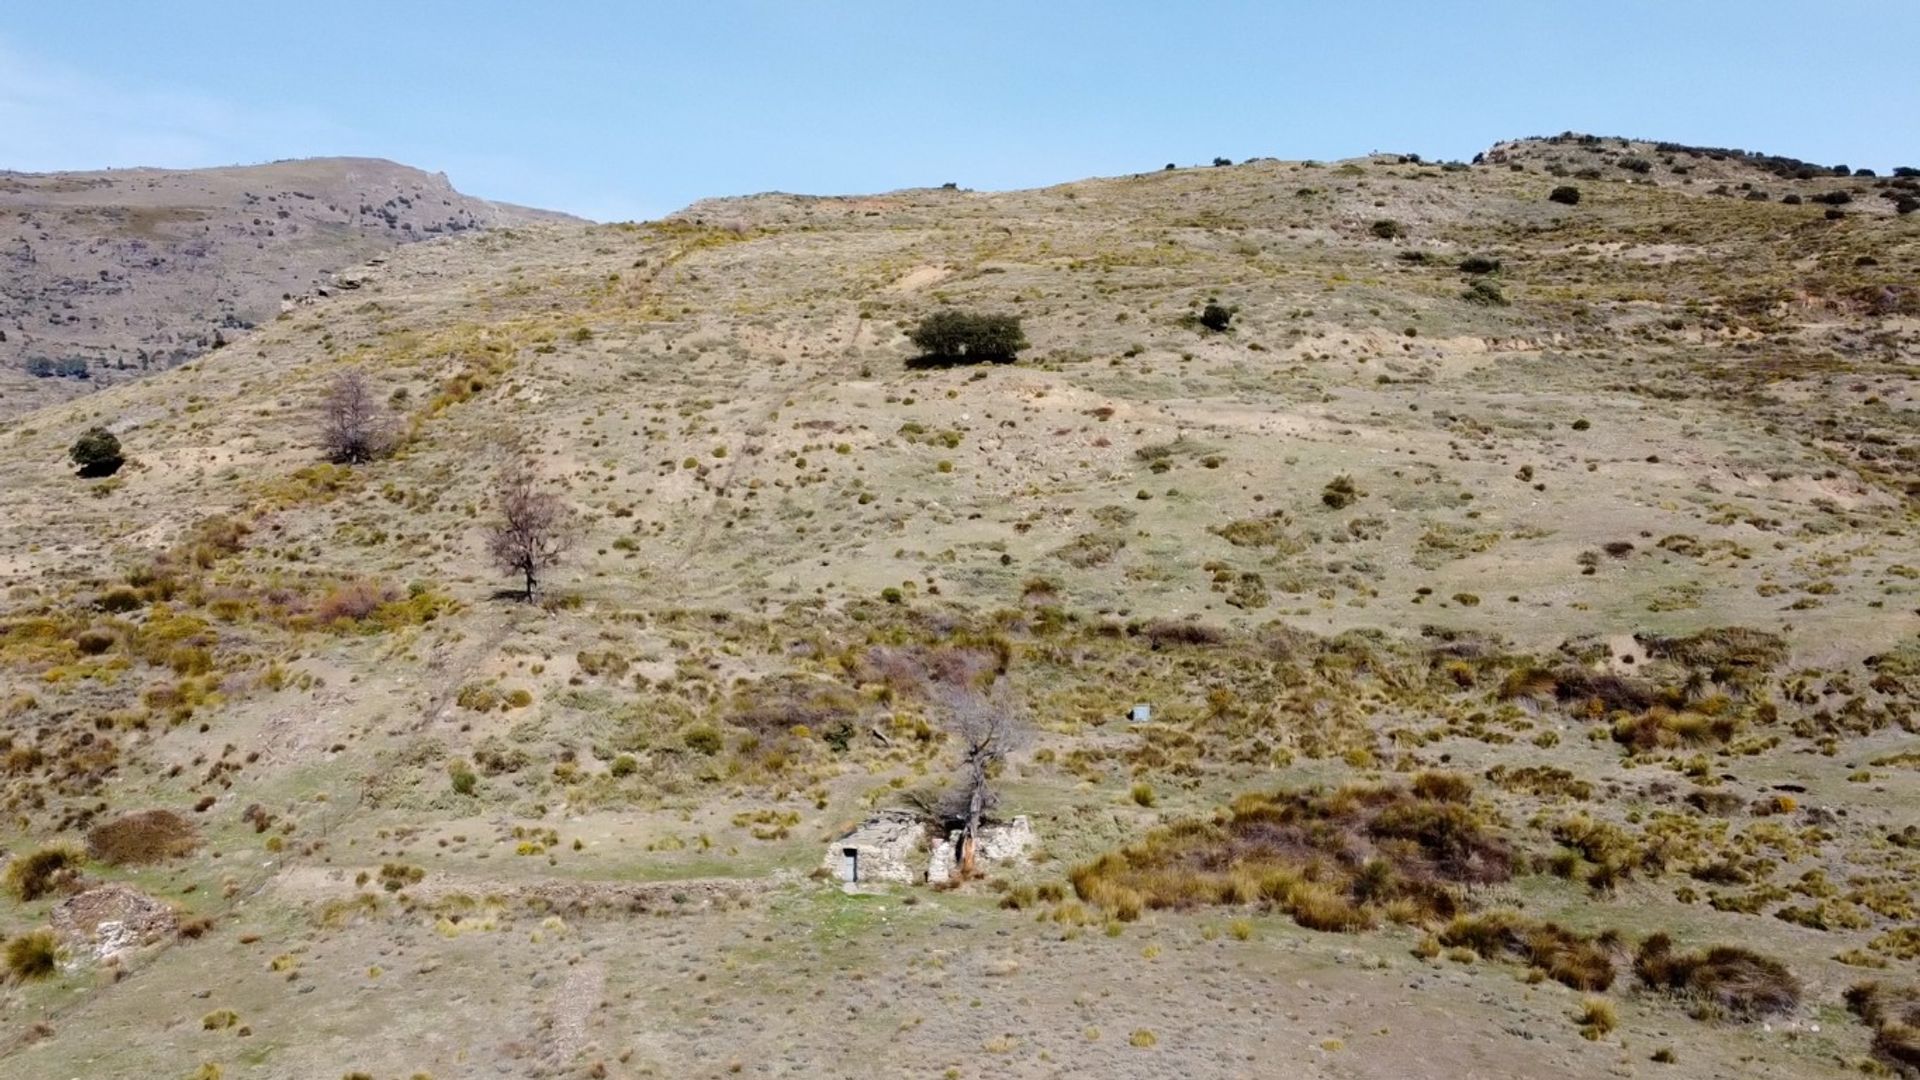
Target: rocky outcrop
x=109 y=276
x=107 y=921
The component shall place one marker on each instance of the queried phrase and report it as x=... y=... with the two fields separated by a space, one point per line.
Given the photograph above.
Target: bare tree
x=534 y=529
x=353 y=426
x=988 y=726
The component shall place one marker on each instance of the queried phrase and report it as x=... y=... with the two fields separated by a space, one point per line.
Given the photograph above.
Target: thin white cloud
x=54 y=117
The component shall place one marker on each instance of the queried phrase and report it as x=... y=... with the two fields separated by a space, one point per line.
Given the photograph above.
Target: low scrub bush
x=350 y=602
x=32 y=955
x=1565 y=195
x=1485 y=293
x=1577 y=687
x=1162 y=632
x=1569 y=958
x=1894 y=1015
x=148 y=836
x=1722 y=650
x=1724 y=979
x=1334 y=861
x=41 y=873
x=1340 y=492
x=1663 y=728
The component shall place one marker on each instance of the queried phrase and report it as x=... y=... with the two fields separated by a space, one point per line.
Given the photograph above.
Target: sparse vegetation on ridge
x=1375 y=637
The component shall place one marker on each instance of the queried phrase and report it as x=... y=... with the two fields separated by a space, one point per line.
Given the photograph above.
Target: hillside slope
x=106 y=276
x=1600 y=518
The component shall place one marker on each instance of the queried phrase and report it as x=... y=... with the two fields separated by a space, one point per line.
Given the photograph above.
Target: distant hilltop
x=108 y=274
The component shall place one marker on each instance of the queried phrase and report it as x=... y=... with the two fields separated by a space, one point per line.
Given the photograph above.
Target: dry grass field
x=1527 y=594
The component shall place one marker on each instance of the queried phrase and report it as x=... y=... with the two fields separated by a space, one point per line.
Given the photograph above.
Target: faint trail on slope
x=833 y=369
x=573 y=1004
x=456 y=677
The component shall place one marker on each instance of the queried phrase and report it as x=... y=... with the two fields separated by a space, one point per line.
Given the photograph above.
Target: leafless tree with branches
x=534 y=529
x=987 y=725
x=353 y=427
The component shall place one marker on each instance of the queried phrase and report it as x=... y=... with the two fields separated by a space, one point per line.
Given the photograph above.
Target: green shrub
x=97 y=452
x=1484 y=292
x=968 y=337
x=463 y=778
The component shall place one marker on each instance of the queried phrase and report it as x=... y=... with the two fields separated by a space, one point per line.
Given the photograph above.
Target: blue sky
x=630 y=110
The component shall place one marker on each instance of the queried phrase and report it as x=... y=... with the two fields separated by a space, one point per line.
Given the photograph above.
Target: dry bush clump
x=44 y=872
x=148 y=836
x=350 y=602
x=1598 y=852
x=1443 y=787
x=1576 y=686
x=1269 y=532
x=1544 y=781
x=32 y=955
x=1163 y=632
x=1092 y=549
x=1725 y=648
x=1596 y=1017
x=774 y=706
x=1334 y=861
x=1705 y=705
x=1894 y=1014
x=1724 y=979
x=1569 y=958
x=1662 y=728
x=964 y=658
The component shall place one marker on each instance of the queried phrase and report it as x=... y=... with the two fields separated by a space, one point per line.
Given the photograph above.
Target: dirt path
x=573 y=1005
x=566 y=895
